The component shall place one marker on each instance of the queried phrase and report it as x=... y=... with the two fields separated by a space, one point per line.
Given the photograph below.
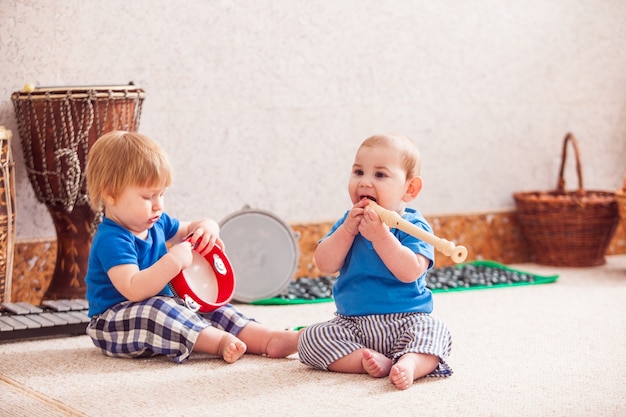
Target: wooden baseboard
x=492 y=236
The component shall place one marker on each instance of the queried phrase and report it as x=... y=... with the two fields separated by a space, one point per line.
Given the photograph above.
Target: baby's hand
x=353 y=220
x=203 y=241
x=182 y=254
x=372 y=227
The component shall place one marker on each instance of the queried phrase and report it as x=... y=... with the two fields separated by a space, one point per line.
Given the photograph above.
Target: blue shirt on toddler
x=115 y=245
x=365 y=286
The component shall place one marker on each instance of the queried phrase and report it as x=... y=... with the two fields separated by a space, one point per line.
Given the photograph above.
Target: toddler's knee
x=309 y=351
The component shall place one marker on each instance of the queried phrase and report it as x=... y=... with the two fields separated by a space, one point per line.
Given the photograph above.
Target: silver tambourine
x=264 y=251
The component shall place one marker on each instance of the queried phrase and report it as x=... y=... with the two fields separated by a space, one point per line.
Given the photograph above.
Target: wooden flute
x=393 y=220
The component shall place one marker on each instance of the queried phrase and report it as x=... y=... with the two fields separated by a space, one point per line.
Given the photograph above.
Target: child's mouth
x=368 y=197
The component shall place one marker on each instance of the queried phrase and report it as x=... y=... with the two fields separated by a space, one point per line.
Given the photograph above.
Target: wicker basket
x=568 y=228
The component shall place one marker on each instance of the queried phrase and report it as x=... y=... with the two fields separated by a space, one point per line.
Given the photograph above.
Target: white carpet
x=543 y=350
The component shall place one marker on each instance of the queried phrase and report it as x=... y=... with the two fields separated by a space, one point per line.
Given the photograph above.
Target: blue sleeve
x=335 y=226
x=416 y=245
x=115 y=247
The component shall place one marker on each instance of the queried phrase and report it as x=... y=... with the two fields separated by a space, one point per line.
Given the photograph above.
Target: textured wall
x=264 y=102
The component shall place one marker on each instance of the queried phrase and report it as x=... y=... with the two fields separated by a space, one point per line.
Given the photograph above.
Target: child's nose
x=365 y=182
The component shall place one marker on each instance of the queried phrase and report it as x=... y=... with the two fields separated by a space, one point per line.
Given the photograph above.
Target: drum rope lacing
x=69 y=174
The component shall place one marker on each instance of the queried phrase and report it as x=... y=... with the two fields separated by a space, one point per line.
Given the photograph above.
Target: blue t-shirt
x=115 y=245
x=366 y=286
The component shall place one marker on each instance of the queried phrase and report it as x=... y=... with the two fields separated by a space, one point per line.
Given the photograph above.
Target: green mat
x=484 y=275
x=287 y=301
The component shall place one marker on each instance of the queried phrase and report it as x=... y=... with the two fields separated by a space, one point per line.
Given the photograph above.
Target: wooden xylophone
x=23 y=320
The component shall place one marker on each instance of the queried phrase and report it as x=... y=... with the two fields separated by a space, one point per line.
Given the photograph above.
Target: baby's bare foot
x=411 y=367
x=231 y=348
x=282 y=344
x=400 y=377
x=375 y=364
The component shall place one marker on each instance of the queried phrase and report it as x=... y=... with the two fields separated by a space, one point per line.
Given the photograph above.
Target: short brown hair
x=409 y=153
x=120 y=159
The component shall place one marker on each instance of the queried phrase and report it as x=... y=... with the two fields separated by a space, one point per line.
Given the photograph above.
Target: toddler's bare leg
x=411 y=367
x=262 y=340
x=363 y=361
x=218 y=342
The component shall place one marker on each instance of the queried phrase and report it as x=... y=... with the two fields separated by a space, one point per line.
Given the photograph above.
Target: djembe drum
x=7 y=214
x=57 y=127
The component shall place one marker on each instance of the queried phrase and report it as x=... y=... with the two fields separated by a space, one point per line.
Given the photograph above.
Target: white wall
x=264 y=102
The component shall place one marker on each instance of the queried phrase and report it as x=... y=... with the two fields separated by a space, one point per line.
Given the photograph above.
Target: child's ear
x=108 y=198
x=413 y=190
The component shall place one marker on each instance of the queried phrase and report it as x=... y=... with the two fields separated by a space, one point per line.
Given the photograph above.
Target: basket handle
x=561 y=181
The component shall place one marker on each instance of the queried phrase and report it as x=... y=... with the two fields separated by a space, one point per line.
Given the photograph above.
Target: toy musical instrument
x=393 y=219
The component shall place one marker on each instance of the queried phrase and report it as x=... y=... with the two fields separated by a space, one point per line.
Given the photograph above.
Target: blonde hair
x=120 y=159
x=409 y=153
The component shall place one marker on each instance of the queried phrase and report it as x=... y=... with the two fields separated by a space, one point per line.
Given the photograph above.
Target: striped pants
x=158 y=326
x=393 y=335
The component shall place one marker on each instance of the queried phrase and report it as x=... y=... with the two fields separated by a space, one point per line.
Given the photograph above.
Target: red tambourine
x=207 y=284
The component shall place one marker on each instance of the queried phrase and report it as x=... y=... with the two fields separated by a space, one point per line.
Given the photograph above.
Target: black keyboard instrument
x=21 y=320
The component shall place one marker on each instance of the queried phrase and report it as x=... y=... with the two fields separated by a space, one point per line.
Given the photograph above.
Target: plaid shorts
x=158 y=326
x=393 y=335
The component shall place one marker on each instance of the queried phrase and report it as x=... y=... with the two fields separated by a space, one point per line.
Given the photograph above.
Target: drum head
x=263 y=252
x=206 y=284
x=201 y=278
